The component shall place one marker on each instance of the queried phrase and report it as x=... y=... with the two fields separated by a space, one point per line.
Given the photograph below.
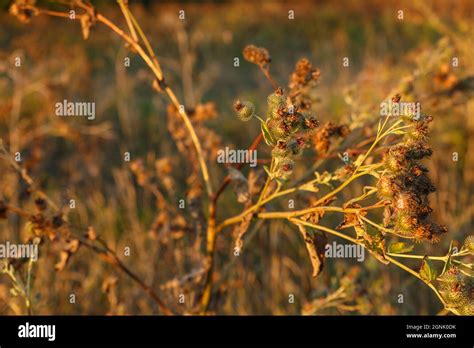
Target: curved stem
x=155 y=68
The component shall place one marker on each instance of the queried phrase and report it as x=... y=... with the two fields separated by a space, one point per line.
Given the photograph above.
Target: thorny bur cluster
x=457 y=289
x=288 y=124
x=406 y=184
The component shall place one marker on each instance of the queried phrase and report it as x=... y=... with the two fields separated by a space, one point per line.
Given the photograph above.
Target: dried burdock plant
x=389 y=217
x=401 y=182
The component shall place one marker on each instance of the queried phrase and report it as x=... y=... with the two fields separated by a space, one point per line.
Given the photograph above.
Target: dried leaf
x=351 y=219
x=243 y=227
x=315 y=245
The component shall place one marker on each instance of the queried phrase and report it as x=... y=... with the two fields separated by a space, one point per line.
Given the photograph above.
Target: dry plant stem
x=265 y=187
x=290 y=215
x=212 y=236
x=159 y=75
x=211 y=246
x=126 y=14
x=269 y=77
x=28 y=287
x=436 y=258
x=205 y=299
x=151 y=53
x=152 y=62
x=212 y=230
x=109 y=256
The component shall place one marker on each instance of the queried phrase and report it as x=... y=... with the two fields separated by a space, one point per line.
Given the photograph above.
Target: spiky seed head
x=245 y=110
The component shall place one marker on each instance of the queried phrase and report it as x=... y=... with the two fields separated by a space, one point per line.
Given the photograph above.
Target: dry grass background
x=123 y=201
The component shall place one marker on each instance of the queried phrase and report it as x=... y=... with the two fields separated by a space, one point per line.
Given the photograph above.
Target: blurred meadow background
x=135 y=204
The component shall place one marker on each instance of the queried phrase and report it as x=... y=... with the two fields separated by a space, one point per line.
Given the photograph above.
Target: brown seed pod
x=303 y=74
x=257 y=55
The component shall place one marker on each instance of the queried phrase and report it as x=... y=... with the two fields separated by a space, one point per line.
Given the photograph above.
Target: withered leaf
x=352 y=219
x=315 y=245
x=242 y=228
